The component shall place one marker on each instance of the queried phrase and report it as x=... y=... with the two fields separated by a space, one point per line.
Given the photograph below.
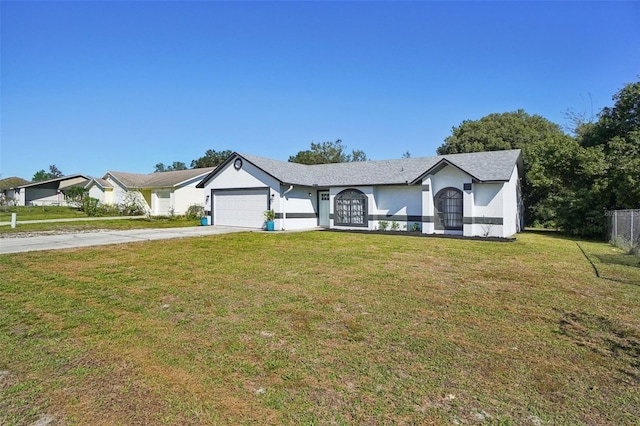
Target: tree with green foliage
x=211 y=158
x=75 y=195
x=326 y=153
x=42 y=175
x=546 y=151
x=176 y=165
x=617 y=133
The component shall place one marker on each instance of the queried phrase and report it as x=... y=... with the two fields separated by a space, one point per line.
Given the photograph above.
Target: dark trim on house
x=482 y=220
x=291 y=215
x=212 y=211
x=431 y=219
x=439 y=166
x=252 y=188
x=396 y=217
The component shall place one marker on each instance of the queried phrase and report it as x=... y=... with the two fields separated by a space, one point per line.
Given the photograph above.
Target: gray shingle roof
x=101 y=182
x=482 y=166
x=159 y=179
x=59 y=180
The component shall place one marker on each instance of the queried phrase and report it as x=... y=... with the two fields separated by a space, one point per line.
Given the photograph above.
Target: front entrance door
x=324 y=208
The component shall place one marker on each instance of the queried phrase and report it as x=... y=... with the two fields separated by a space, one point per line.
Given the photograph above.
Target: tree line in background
x=319 y=153
x=42 y=175
x=569 y=180
x=211 y=158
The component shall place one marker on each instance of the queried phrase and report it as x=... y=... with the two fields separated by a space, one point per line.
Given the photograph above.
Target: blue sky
x=97 y=86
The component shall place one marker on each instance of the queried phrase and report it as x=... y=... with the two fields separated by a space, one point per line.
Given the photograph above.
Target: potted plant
x=269 y=217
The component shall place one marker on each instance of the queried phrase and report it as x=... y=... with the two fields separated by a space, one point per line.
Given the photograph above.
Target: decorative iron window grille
x=350 y=208
x=449 y=204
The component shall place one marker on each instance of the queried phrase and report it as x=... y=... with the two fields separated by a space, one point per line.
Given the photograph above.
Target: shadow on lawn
x=619 y=259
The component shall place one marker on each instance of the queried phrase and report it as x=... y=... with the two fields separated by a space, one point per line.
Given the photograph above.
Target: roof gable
x=102 y=183
x=176 y=178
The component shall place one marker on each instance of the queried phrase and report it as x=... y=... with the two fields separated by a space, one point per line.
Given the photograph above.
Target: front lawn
x=321 y=328
x=39 y=212
x=141 y=222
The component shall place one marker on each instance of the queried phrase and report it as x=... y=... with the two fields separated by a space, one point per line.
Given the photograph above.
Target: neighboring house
x=475 y=194
x=162 y=193
x=9 y=189
x=47 y=192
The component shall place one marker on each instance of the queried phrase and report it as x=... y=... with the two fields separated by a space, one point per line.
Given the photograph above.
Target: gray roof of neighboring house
x=481 y=166
x=60 y=181
x=158 y=179
x=100 y=182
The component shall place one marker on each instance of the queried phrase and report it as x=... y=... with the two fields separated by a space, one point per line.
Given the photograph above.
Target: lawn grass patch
x=612 y=263
x=319 y=328
x=97 y=225
x=40 y=212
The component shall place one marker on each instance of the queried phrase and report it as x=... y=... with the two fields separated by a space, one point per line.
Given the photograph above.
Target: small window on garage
x=350 y=207
x=448 y=203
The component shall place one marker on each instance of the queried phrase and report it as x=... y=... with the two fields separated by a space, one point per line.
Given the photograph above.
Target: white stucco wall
x=96 y=192
x=512 y=219
x=487 y=206
x=118 y=191
x=399 y=203
x=182 y=198
x=449 y=177
x=248 y=176
x=300 y=201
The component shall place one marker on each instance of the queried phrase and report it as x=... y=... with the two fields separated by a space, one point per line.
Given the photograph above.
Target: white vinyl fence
x=623 y=228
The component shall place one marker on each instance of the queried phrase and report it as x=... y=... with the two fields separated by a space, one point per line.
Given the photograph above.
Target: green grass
x=39 y=212
x=118 y=224
x=321 y=328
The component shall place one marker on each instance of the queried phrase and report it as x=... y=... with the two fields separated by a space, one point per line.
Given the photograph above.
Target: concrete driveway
x=99 y=238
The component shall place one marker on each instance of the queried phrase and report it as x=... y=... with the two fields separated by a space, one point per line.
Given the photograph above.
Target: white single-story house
x=47 y=192
x=473 y=194
x=162 y=193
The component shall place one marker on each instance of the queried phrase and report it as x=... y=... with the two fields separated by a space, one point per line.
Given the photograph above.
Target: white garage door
x=242 y=207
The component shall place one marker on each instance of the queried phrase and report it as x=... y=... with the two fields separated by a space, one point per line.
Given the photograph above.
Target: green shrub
x=629 y=247
x=132 y=205
x=195 y=211
x=75 y=195
x=382 y=225
x=90 y=206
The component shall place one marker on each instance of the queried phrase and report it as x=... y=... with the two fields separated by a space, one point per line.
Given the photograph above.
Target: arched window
x=350 y=208
x=448 y=204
